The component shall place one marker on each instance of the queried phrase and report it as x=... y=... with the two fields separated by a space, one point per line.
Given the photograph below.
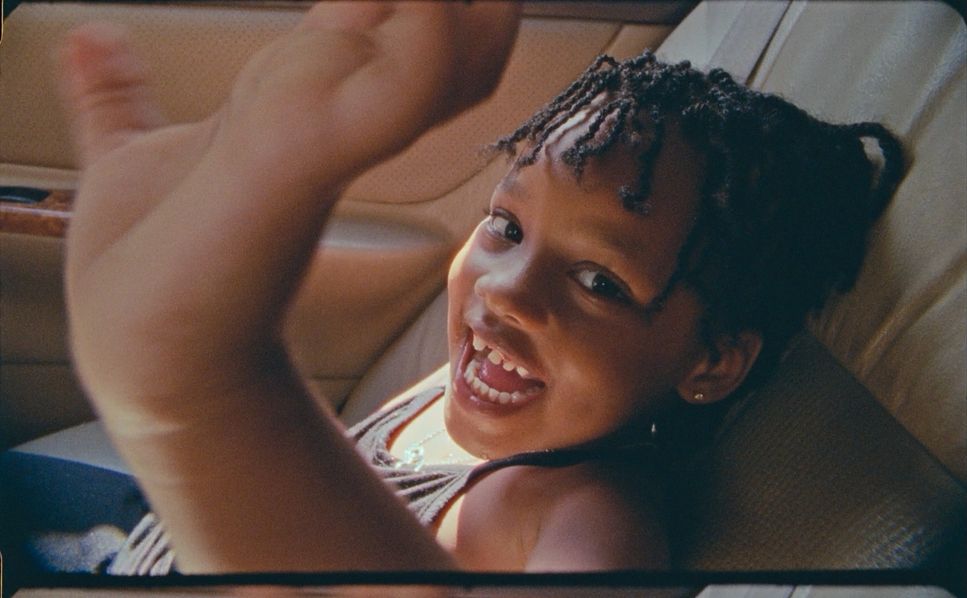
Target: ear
x=715 y=377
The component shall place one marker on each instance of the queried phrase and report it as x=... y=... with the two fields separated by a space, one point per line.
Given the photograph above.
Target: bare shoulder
x=595 y=515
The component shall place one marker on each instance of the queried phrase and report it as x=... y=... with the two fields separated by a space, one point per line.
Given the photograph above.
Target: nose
x=516 y=290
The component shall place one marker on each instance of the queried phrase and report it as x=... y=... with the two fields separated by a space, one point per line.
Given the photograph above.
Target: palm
x=189 y=240
x=351 y=85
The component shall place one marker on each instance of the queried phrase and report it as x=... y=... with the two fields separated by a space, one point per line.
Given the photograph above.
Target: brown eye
x=505 y=227
x=601 y=284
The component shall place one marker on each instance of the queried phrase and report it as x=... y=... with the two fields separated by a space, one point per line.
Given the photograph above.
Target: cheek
x=643 y=362
x=460 y=278
x=462 y=265
x=458 y=264
x=460 y=282
x=621 y=371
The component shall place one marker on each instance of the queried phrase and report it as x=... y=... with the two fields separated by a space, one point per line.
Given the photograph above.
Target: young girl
x=658 y=237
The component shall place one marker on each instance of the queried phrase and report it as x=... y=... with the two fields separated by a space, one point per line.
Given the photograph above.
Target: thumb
x=105 y=91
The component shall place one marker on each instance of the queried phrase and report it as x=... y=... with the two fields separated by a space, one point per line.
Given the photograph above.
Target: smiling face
x=550 y=341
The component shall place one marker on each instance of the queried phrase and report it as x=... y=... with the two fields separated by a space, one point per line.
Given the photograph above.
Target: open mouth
x=493 y=377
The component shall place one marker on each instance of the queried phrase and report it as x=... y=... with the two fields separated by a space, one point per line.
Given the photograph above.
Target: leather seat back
x=844 y=459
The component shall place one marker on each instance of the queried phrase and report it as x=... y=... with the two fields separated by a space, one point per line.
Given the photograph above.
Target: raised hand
x=168 y=219
x=188 y=241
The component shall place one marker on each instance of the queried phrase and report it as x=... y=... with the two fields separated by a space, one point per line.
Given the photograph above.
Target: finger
x=488 y=31
x=464 y=47
x=104 y=86
x=477 y=37
x=347 y=16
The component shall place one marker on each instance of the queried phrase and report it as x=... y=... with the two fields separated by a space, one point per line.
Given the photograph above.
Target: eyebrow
x=620 y=249
x=511 y=186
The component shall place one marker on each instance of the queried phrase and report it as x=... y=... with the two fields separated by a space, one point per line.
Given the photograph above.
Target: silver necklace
x=414 y=456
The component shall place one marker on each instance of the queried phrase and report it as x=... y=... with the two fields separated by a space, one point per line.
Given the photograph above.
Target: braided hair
x=785 y=206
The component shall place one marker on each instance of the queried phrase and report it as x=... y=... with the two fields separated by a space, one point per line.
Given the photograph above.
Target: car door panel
x=385 y=253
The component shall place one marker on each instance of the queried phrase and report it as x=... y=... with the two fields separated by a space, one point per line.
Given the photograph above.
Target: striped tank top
x=428 y=489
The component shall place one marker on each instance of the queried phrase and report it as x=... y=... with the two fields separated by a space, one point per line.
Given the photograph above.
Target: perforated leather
x=813 y=474
x=903 y=330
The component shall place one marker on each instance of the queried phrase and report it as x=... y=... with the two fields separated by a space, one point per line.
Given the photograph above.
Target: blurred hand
x=354 y=83
x=188 y=241
x=218 y=218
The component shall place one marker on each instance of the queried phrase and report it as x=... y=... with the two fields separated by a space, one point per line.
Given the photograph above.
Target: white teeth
x=495 y=357
x=484 y=391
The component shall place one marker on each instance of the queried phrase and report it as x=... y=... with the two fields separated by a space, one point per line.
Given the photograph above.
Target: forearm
x=196 y=278
x=176 y=298
x=199 y=396
x=267 y=484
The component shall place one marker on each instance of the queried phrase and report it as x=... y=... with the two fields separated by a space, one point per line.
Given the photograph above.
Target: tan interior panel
x=386 y=252
x=25 y=175
x=368 y=277
x=194 y=53
x=37 y=399
x=33 y=325
x=196 y=50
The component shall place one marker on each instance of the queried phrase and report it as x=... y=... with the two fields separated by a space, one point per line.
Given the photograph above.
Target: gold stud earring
x=698 y=397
